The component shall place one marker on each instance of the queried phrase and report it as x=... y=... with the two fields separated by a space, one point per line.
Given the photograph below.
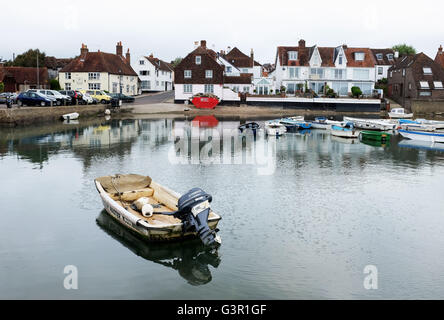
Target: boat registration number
x=200 y=207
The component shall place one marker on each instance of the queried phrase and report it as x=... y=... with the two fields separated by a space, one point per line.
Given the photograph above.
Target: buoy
x=142 y=204
x=107 y=112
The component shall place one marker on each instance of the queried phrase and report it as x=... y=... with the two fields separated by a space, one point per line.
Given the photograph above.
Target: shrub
x=283 y=89
x=300 y=86
x=54 y=84
x=356 y=92
x=2 y=86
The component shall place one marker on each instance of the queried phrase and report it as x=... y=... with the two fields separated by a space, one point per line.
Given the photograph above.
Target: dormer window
x=198 y=59
x=438 y=84
x=379 y=56
x=390 y=56
x=292 y=55
x=424 y=84
x=340 y=60
x=142 y=62
x=359 y=56
x=427 y=70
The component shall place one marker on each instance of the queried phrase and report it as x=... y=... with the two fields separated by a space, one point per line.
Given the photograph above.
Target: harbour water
x=303 y=215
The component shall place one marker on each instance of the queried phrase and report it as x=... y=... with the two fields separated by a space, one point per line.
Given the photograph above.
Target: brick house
x=416 y=77
x=18 y=79
x=100 y=71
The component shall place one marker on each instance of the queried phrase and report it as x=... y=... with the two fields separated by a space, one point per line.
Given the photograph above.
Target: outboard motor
x=194 y=209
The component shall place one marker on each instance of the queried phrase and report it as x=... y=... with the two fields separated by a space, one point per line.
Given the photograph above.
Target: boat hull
x=423 y=136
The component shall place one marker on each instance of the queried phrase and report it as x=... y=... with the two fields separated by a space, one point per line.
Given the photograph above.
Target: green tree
x=176 y=61
x=28 y=59
x=2 y=86
x=55 y=85
x=356 y=92
x=404 y=49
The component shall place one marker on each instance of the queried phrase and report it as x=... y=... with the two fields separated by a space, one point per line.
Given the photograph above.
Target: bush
x=300 y=86
x=356 y=92
x=54 y=84
x=283 y=89
x=2 y=86
x=330 y=93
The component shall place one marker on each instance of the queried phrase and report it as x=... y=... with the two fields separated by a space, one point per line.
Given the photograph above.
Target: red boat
x=205 y=102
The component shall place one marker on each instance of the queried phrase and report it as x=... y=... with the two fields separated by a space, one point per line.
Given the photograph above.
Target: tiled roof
x=100 y=62
x=417 y=63
x=440 y=57
x=368 y=62
x=385 y=60
x=159 y=64
x=22 y=74
x=240 y=60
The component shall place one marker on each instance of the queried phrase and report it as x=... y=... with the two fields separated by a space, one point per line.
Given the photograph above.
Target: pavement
x=154 y=98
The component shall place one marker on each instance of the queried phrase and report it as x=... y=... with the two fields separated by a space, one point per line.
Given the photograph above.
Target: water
x=302 y=215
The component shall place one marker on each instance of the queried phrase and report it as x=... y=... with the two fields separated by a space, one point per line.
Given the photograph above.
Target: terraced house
x=154 y=74
x=100 y=71
x=340 y=68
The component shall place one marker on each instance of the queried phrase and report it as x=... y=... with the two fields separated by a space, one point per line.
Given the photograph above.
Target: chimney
x=345 y=46
x=119 y=49
x=440 y=50
x=252 y=57
x=228 y=49
x=203 y=44
x=302 y=43
x=396 y=54
x=83 y=50
x=151 y=55
x=128 y=57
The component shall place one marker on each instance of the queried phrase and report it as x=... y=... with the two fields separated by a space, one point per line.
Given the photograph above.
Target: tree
x=176 y=61
x=404 y=49
x=356 y=92
x=55 y=85
x=28 y=59
x=2 y=86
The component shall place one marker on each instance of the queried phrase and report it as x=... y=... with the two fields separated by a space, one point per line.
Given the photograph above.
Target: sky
x=169 y=28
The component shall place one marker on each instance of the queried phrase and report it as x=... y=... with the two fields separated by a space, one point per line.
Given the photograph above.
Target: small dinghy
x=275 y=128
x=399 y=113
x=70 y=116
x=156 y=212
x=348 y=131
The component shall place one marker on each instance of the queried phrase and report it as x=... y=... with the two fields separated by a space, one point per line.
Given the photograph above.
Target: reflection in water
x=190 y=258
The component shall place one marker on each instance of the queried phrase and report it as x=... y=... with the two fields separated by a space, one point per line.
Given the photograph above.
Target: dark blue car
x=32 y=99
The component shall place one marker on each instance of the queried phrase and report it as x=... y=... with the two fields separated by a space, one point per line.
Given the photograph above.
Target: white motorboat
x=434 y=137
x=436 y=124
x=371 y=124
x=70 y=116
x=274 y=128
x=348 y=132
x=399 y=113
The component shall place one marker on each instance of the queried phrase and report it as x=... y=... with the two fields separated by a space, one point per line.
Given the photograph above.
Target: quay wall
x=427 y=106
x=31 y=115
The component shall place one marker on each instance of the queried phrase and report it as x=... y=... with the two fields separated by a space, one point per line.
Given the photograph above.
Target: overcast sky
x=169 y=28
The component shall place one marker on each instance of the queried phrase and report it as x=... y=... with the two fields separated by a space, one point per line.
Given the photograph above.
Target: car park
x=8 y=95
x=33 y=99
x=76 y=96
x=60 y=99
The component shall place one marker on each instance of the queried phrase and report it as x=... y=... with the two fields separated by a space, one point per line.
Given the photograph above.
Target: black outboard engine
x=194 y=209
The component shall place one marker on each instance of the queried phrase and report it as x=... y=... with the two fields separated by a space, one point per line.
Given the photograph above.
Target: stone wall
x=32 y=115
x=427 y=106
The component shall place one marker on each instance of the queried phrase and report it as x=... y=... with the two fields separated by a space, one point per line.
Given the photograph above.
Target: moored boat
x=434 y=137
x=371 y=124
x=156 y=212
x=70 y=116
x=295 y=123
x=320 y=123
x=399 y=113
x=348 y=131
x=375 y=135
x=275 y=128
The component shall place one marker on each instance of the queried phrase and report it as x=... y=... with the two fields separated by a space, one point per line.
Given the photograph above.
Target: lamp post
x=120 y=81
x=38 y=76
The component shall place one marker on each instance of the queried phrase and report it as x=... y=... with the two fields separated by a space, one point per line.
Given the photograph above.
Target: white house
x=385 y=59
x=100 y=71
x=154 y=74
x=339 y=68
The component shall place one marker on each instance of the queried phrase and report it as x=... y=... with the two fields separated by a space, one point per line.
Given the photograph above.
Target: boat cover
x=124 y=182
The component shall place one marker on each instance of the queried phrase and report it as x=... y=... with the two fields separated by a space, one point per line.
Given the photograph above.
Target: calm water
x=302 y=215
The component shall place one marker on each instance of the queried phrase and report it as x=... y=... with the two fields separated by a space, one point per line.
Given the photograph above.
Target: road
x=155 y=98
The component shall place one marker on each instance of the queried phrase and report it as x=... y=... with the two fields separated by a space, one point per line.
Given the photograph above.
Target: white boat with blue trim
x=434 y=137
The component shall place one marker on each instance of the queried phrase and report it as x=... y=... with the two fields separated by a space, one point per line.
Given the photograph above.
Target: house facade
x=205 y=71
x=18 y=79
x=154 y=74
x=416 y=77
x=100 y=71
x=385 y=59
x=339 y=68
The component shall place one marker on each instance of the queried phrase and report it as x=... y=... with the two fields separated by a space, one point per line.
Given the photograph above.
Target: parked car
x=88 y=99
x=101 y=96
x=60 y=99
x=12 y=97
x=122 y=97
x=33 y=99
x=76 y=96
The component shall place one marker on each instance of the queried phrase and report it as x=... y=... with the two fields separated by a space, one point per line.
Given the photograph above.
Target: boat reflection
x=190 y=258
x=424 y=145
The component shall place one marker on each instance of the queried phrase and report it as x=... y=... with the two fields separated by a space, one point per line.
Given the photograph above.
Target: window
x=380 y=71
x=246 y=89
x=142 y=62
x=340 y=59
x=235 y=88
x=293 y=72
x=187 y=88
x=410 y=86
x=115 y=84
x=292 y=55
x=67 y=86
x=157 y=83
x=425 y=93
x=361 y=74
x=390 y=56
x=144 y=73
x=127 y=88
x=198 y=59
x=162 y=83
x=209 y=88
x=359 y=56
x=424 y=85
x=94 y=86
x=437 y=84
x=340 y=87
x=366 y=88
x=244 y=70
x=67 y=75
x=317 y=73
x=379 y=56
x=187 y=74
x=427 y=70
x=339 y=74
x=93 y=76
x=291 y=88
x=228 y=69
x=208 y=74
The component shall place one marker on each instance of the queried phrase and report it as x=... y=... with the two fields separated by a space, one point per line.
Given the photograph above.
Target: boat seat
x=131 y=196
x=156 y=219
